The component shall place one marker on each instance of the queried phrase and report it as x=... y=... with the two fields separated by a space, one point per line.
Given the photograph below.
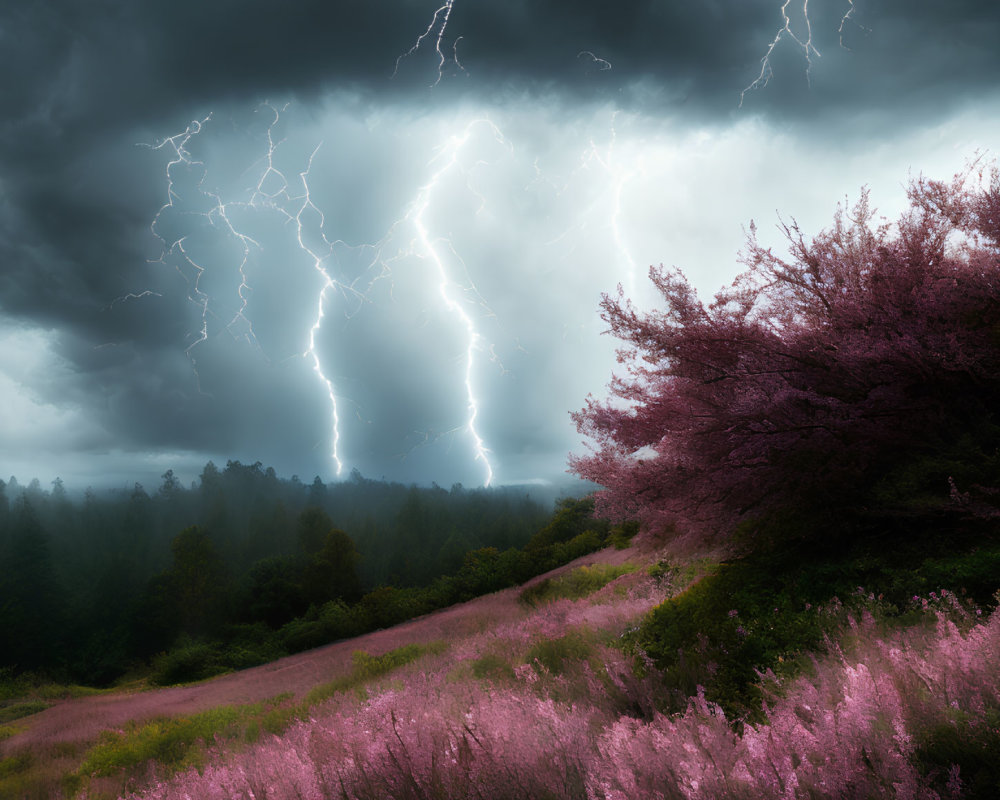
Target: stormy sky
x=302 y=235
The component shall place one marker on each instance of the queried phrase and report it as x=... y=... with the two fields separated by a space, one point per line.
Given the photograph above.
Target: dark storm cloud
x=88 y=65
x=84 y=83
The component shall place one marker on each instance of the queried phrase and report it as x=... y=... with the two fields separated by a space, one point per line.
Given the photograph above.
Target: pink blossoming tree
x=860 y=373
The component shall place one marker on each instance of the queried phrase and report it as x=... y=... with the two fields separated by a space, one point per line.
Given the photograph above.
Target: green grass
x=19 y=710
x=492 y=668
x=555 y=654
x=33 y=687
x=173 y=742
x=180 y=742
x=6 y=731
x=15 y=765
x=367 y=667
x=15 y=776
x=577 y=583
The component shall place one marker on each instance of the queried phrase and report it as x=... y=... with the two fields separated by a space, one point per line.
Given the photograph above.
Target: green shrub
x=328 y=623
x=369 y=666
x=662 y=570
x=197 y=660
x=18 y=778
x=590 y=541
x=553 y=654
x=758 y=612
x=15 y=765
x=622 y=534
x=973 y=748
x=576 y=583
x=492 y=668
x=722 y=629
x=302 y=634
x=189 y=661
x=25 y=685
x=975 y=573
x=571 y=519
x=389 y=605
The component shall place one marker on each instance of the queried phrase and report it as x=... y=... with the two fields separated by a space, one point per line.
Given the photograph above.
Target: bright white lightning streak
x=217 y=216
x=453 y=149
x=844 y=20
x=272 y=192
x=178 y=142
x=278 y=199
x=806 y=45
x=132 y=296
x=319 y=262
x=444 y=12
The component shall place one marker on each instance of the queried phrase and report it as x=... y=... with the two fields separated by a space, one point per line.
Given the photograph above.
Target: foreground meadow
x=555 y=703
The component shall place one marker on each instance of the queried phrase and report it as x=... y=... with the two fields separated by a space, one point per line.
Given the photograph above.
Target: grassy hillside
x=576 y=686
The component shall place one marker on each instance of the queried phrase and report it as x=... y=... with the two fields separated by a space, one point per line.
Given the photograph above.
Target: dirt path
x=79 y=721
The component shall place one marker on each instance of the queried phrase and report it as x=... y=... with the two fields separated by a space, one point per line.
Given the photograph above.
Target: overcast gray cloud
x=155 y=316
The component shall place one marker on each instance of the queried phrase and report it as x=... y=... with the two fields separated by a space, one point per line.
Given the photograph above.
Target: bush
x=389 y=605
x=169 y=741
x=972 y=747
x=760 y=612
x=575 y=584
x=492 y=668
x=571 y=518
x=554 y=654
x=187 y=662
x=622 y=534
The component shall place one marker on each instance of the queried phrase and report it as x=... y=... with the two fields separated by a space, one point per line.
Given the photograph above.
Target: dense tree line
x=244 y=566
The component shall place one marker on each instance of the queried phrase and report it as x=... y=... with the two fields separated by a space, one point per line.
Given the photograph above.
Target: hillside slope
x=61 y=733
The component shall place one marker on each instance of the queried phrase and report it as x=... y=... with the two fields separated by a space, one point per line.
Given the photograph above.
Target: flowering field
x=541 y=692
x=549 y=705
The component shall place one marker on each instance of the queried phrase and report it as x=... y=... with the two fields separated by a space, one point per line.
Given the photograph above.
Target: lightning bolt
x=443 y=14
x=607 y=160
x=432 y=250
x=296 y=208
x=844 y=20
x=271 y=192
x=319 y=264
x=131 y=296
x=806 y=45
x=188 y=200
x=216 y=217
x=445 y=289
x=182 y=160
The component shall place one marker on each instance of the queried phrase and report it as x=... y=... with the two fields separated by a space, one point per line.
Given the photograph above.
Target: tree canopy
x=854 y=380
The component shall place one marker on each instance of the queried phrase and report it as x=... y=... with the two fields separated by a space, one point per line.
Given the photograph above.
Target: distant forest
x=244 y=566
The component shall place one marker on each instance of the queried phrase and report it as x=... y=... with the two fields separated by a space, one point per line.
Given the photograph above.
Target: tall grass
x=890 y=713
x=168 y=744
